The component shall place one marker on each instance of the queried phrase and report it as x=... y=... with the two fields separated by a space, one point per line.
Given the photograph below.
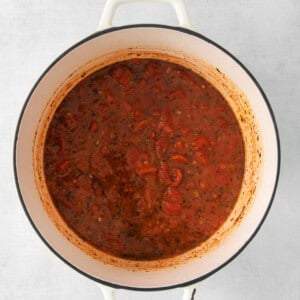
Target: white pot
x=238 y=86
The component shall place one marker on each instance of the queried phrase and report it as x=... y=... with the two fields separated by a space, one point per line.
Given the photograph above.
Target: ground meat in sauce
x=144 y=159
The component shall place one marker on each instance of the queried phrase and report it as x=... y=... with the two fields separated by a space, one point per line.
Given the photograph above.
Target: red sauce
x=144 y=159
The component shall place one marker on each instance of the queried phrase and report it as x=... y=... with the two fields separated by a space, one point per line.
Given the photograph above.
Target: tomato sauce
x=144 y=159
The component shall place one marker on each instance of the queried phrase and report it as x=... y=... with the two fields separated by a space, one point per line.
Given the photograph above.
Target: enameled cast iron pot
x=238 y=86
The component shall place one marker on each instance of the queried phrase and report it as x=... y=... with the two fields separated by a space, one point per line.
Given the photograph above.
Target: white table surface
x=263 y=34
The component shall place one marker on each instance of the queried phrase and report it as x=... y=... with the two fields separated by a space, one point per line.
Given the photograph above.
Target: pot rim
x=187 y=31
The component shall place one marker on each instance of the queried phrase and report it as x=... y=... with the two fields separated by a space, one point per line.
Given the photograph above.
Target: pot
x=186 y=47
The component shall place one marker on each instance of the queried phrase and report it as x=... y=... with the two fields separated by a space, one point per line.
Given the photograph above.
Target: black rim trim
x=187 y=31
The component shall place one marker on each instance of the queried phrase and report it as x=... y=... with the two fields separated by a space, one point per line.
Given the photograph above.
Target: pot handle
x=189 y=292
x=111 y=6
x=108 y=292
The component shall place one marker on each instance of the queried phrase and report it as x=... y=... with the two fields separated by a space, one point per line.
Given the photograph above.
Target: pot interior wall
x=166 y=41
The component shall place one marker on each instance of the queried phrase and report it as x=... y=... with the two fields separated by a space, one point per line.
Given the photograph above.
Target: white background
x=263 y=34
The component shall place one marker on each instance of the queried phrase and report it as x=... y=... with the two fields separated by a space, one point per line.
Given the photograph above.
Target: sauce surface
x=144 y=159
